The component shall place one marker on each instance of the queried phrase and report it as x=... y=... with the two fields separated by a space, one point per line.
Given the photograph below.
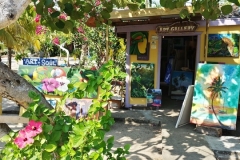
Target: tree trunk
x=11 y=11
x=10 y=58
x=16 y=88
x=222 y=125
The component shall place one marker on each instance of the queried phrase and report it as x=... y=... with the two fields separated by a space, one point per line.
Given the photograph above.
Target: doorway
x=177 y=65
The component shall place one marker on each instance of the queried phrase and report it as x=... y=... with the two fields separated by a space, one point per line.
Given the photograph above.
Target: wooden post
x=107 y=47
x=0 y=105
x=206 y=41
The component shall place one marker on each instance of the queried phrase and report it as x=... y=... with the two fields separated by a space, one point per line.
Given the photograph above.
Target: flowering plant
x=51 y=134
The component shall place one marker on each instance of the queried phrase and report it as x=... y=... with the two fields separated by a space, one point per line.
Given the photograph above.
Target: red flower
x=38 y=17
x=34 y=128
x=85 y=39
x=63 y=16
x=23 y=139
x=56 y=41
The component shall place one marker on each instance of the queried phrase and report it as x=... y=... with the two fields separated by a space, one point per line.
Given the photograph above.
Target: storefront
x=173 y=47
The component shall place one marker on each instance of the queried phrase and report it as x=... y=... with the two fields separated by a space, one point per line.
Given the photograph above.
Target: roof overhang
x=149 y=16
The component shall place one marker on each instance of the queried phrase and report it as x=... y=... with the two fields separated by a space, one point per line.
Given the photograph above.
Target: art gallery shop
x=163 y=50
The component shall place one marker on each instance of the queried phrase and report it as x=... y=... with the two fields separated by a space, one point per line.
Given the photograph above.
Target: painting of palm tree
x=216 y=86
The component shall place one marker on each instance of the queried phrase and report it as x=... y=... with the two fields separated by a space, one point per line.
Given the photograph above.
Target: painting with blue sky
x=223 y=45
x=216 y=95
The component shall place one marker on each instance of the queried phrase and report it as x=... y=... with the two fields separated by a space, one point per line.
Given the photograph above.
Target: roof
x=149 y=16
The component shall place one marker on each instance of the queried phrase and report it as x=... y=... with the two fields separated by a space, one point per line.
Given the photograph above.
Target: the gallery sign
x=40 y=61
x=186 y=26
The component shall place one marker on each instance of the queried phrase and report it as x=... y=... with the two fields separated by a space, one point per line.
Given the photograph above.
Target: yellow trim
x=118 y=14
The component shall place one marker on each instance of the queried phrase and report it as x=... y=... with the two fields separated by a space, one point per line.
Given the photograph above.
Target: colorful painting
x=180 y=82
x=216 y=95
x=223 y=45
x=52 y=80
x=154 y=98
x=139 y=45
x=142 y=78
x=77 y=108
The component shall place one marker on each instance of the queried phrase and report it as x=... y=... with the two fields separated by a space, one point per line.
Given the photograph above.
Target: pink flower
x=50 y=10
x=50 y=84
x=37 y=19
x=98 y=2
x=39 y=29
x=85 y=39
x=63 y=16
x=34 y=128
x=56 y=41
x=80 y=30
x=23 y=139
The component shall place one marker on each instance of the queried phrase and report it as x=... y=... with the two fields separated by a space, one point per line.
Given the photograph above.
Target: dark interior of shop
x=178 y=59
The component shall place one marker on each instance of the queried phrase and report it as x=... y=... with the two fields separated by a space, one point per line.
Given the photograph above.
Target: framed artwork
x=216 y=95
x=53 y=80
x=180 y=80
x=154 y=98
x=77 y=108
x=223 y=45
x=142 y=78
x=139 y=45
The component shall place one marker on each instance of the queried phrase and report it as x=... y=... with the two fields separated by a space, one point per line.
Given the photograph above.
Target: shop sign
x=40 y=61
x=186 y=26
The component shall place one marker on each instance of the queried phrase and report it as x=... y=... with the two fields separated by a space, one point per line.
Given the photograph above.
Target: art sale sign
x=40 y=61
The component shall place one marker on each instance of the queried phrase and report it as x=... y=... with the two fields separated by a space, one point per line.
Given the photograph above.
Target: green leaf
x=88 y=7
x=66 y=128
x=127 y=147
x=226 y=9
x=83 y=86
x=46 y=155
x=55 y=14
x=5 y=138
x=60 y=24
x=69 y=25
x=206 y=14
x=132 y=6
x=76 y=140
x=184 y=13
x=105 y=14
x=76 y=15
x=50 y=147
x=48 y=3
x=47 y=128
x=110 y=140
x=39 y=8
x=68 y=8
x=63 y=153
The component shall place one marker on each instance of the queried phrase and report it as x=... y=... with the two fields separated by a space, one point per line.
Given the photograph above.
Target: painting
x=223 y=45
x=154 y=98
x=139 y=45
x=77 y=108
x=142 y=78
x=180 y=80
x=216 y=95
x=53 y=80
